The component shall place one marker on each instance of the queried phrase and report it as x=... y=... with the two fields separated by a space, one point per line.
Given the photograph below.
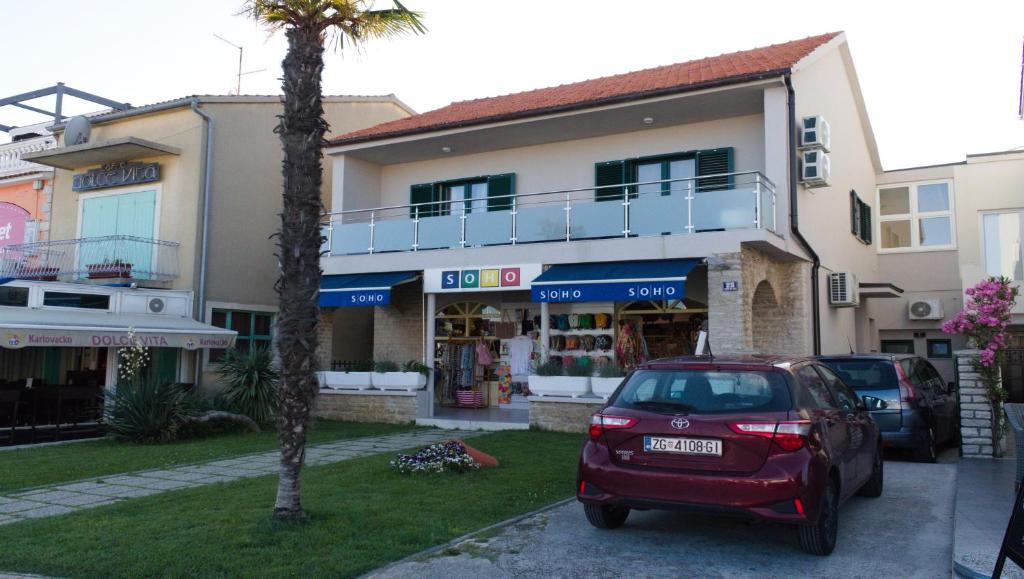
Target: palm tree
x=308 y=25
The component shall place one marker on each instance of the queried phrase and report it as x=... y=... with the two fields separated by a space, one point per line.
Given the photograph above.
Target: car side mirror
x=871 y=403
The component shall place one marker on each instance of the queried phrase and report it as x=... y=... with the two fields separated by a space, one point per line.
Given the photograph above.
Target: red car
x=779 y=440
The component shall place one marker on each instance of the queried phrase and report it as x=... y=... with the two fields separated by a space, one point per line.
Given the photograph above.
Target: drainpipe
x=794 y=217
x=203 y=243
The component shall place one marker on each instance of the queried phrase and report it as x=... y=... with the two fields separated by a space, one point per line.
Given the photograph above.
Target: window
x=940 y=349
x=898 y=346
x=700 y=392
x=844 y=396
x=865 y=374
x=860 y=218
x=916 y=216
x=254 y=330
x=122 y=214
x=814 y=386
x=14 y=296
x=676 y=166
x=1003 y=236
x=487 y=193
x=77 y=300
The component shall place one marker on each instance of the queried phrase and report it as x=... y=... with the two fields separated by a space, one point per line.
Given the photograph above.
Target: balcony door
x=121 y=214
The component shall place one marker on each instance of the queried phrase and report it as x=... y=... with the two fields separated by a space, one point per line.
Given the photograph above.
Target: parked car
x=918 y=410
x=780 y=440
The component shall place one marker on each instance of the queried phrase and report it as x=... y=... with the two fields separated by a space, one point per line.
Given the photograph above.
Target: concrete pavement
x=906 y=533
x=984 y=500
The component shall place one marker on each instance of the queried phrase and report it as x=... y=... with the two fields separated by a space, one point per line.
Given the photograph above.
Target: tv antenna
x=238 y=82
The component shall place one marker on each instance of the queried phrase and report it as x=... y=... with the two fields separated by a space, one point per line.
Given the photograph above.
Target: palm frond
x=354 y=21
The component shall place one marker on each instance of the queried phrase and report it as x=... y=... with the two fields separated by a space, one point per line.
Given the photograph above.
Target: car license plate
x=698 y=446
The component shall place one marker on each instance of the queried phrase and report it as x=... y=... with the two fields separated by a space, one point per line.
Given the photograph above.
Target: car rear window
x=704 y=392
x=865 y=374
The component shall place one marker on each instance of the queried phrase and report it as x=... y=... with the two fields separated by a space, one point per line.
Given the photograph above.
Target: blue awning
x=361 y=289
x=614 y=281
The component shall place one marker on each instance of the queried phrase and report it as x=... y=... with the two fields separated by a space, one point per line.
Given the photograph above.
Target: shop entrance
x=1013 y=366
x=665 y=328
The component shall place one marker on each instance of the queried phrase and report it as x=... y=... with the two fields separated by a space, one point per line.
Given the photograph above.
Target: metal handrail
x=127 y=256
x=760 y=178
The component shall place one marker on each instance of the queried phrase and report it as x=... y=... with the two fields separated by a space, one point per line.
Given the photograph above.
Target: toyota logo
x=680 y=423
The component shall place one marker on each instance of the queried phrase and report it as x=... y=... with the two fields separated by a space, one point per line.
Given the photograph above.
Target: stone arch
x=767 y=320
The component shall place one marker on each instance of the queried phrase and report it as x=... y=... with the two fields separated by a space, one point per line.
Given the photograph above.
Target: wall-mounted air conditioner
x=843 y=290
x=815 y=170
x=815 y=133
x=925 y=310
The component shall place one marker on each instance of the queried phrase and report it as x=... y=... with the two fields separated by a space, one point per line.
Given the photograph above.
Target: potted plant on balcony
x=551 y=378
x=607 y=380
x=356 y=376
x=116 y=269
x=37 y=272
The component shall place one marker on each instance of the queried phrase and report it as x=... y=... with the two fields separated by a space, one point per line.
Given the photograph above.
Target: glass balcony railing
x=642 y=209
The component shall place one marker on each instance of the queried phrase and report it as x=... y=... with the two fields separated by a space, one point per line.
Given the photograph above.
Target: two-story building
x=25 y=187
x=605 y=222
x=172 y=200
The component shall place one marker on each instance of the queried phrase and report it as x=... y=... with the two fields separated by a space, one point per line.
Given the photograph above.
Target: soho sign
x=608 y=291
x=116 y=175
x=485 y=278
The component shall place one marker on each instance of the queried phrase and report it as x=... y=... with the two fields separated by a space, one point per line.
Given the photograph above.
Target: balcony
x=724 y=202
x=108 y=259
x=11 y=153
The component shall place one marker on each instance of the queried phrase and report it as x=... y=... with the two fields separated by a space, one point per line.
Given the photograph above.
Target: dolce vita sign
x=116 y=175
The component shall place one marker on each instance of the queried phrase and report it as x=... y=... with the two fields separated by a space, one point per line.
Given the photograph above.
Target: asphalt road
x=908 y=532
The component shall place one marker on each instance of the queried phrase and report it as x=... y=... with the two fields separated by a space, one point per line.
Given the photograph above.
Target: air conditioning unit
x=843 y=290
x=815 y=170
x=814 y=133
x=925 y=310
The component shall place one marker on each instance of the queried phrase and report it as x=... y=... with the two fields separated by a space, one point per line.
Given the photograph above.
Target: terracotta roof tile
x=643 y=83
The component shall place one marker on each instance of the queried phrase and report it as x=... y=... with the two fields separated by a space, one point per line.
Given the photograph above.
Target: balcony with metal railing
x=728 y=201
x=11 y=153
x=107 y=259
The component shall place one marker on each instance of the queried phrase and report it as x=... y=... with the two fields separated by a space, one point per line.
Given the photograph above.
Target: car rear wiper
x=665 y=404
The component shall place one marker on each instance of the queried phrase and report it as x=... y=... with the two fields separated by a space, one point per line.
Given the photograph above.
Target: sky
x=940 y=79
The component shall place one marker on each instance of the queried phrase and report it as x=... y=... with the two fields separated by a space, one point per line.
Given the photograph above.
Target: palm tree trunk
x=301 y=130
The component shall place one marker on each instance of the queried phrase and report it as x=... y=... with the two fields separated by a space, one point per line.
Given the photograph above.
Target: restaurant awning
x=614 y=281
x=25 y=327
x=361 y=289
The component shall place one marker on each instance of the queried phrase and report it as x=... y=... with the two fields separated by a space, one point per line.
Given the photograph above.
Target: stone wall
x=975 y=409
x=366 y=406
x=325 y=340
x=564 y=414
x=398 y=327
x=769 y=311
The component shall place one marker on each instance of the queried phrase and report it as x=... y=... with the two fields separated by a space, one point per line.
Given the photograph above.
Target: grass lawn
x=362 y=516
x=32 y=467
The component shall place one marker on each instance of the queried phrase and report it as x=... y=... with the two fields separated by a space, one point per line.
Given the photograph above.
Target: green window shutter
x=421 y=194
x=609 y=173
x=715 y=162
x=498 y=185
x=855 y=218
x=865 y=222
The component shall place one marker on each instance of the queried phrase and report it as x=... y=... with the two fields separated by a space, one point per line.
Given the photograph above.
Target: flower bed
x=450 y=456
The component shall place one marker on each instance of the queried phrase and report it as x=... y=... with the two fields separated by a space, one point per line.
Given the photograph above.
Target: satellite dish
x=77 y=131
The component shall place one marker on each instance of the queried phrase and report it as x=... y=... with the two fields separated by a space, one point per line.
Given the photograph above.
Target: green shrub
x=551 y=367
x=580 y=367
x=250 y=382
x=147 y=411
x=416 y=366
x=385 y=366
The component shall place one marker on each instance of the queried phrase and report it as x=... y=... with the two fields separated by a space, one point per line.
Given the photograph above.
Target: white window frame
x=915 y=217
x=981 y=233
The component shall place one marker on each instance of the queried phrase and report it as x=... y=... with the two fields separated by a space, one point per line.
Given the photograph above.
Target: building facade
x=711 y=195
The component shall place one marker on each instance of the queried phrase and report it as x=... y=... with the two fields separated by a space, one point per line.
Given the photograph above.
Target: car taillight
x=786 y=434
x=907 y=392
x=601 y=422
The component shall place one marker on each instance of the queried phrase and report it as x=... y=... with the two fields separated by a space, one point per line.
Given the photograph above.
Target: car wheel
x=873 y=488
x=820 y=538
x=606 y=516
x=927 y=452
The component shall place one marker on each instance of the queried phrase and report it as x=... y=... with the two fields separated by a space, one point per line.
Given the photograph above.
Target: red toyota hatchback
x=779 y=440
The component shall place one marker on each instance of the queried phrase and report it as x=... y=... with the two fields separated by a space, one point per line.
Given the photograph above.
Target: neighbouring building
x=25 y=187
x=601 y=222
x=176 y=202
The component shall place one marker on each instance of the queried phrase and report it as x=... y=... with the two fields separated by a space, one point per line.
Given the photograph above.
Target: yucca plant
x=250 y=382
x=144 y=410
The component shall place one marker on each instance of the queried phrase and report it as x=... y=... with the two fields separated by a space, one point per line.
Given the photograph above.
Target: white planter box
x=573 y=386
x=604 y=387
x=345 y=380
x=408 y=381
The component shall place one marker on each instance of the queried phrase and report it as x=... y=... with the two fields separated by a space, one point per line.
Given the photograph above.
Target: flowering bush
x=983 y=321
x=446 y=456
x=132 y=359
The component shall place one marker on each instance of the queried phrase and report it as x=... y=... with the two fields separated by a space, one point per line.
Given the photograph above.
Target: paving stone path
x=70 y=497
